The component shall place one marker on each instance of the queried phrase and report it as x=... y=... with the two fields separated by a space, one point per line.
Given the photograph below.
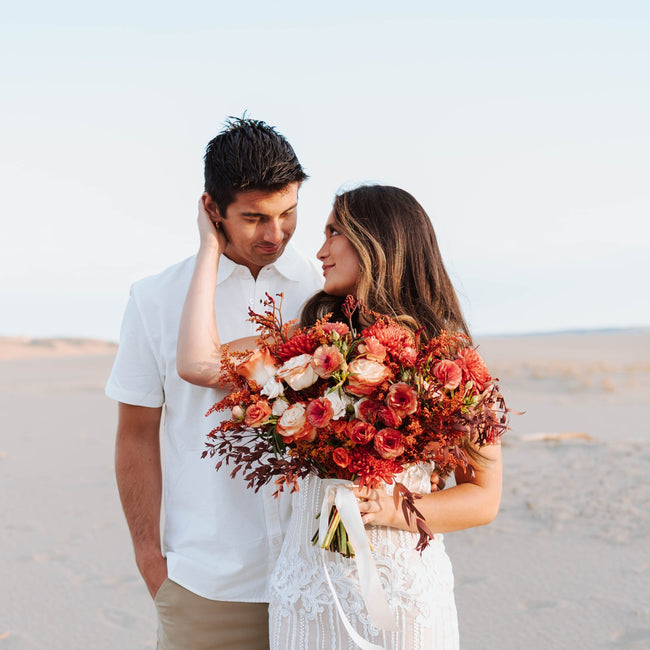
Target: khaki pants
x=189 y=622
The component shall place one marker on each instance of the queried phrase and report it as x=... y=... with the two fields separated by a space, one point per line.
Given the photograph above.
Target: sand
x=566 y=564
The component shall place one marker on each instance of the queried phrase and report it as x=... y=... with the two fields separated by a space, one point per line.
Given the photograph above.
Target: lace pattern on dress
x=419 y=589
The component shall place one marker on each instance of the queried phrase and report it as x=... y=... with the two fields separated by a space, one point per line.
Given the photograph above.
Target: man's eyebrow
x=264 y=214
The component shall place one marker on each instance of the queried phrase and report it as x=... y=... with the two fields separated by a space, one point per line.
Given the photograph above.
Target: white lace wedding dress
x=419 y=589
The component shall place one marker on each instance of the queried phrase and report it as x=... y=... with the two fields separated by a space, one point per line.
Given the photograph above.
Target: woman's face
x=340 y=261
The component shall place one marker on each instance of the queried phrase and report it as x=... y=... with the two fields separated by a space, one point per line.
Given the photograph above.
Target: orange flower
x=327 y=360
x=388 y=443
x=393 y=337
x=340 y=328
x=259 y=367
x=366 y=375
x=293 y=425
x=257 y=413
x=448 y=374
x=388 y=417
x=372 y=349
x=474 y=368
x=402 y=398
x=361 y=432
x=341 y=457
x=319 y=412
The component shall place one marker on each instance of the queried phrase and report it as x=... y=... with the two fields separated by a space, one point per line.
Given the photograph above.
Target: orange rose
x=341 y=457
x=366 y=375
x=388 y=443
x=259 y=367
x=293 y=425
x=448 y=374
x=402 y=398
x=298 y=372
x=257 y=413
x=327 y=360
x=361 y=432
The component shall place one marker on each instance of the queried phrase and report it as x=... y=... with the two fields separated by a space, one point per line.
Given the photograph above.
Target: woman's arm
x=198 y=353
x=471 y=502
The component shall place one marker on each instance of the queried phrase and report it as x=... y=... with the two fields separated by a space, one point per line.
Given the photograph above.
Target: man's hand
x=153 y=569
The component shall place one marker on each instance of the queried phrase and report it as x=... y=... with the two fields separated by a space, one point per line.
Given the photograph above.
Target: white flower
x=298 y=372
x=339 y=401
x=279 y=406
x=272 y=388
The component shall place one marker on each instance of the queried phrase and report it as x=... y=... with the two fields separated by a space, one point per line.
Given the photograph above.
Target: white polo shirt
x=221 y=539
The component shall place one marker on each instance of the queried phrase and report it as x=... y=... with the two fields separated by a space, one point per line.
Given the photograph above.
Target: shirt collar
x=288 y=265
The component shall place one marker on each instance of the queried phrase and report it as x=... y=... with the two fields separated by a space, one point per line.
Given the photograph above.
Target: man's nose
x=274 y=232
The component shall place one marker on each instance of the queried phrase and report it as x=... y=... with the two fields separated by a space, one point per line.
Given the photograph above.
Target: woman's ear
x=211 y=207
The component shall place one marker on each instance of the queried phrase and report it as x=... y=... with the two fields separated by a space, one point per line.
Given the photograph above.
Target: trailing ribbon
x=338 y=493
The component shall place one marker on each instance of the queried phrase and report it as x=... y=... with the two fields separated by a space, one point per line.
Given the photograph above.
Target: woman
x=380 y=246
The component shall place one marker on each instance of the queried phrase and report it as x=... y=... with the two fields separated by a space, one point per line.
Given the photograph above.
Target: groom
x=208 y=574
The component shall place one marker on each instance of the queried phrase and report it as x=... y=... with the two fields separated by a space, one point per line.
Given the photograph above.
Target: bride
x=379 y=246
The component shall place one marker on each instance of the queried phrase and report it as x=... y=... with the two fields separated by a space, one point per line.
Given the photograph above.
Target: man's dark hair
x=248 y=155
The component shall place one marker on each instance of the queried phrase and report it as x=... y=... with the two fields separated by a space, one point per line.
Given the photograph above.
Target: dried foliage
x=338 y=403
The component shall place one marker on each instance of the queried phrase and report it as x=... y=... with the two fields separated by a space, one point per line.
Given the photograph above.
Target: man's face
x=259 y=224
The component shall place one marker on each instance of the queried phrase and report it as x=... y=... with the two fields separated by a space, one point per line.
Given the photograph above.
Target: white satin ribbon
x=339 y=493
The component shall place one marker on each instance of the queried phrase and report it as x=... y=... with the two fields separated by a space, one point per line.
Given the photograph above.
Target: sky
x=522 y=128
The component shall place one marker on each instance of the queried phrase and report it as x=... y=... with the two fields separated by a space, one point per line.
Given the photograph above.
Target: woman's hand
x=211 y=233
x=377 y=507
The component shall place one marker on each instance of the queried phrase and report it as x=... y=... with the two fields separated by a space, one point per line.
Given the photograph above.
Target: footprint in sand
x=120 y=618
x=539 y=604
x=632 y=639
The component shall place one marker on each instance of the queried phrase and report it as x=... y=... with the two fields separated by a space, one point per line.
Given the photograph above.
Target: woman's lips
x=326 y=268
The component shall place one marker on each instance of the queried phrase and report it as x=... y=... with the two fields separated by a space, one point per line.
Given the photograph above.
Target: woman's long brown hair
x=401 y=270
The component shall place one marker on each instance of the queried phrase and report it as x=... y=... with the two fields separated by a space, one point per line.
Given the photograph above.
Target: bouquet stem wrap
x=339 y=493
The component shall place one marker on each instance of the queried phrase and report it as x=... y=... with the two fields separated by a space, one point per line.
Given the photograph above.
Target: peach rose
x=257 y=413
x=319 y=412
x=388 y=443
x=298 y=372
x=366 y=375
x=327 y=359
x=448 y=374
x=293 y=425
x=341 y=457
x=259 y=367
x=402 y=398
x=361 y=432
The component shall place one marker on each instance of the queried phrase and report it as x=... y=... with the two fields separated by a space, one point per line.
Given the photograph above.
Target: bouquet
x=357 y=405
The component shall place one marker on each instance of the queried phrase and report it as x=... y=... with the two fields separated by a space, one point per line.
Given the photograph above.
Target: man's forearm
x=139 y=479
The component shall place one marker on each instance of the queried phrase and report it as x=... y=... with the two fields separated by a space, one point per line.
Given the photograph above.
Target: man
x=220 y=540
